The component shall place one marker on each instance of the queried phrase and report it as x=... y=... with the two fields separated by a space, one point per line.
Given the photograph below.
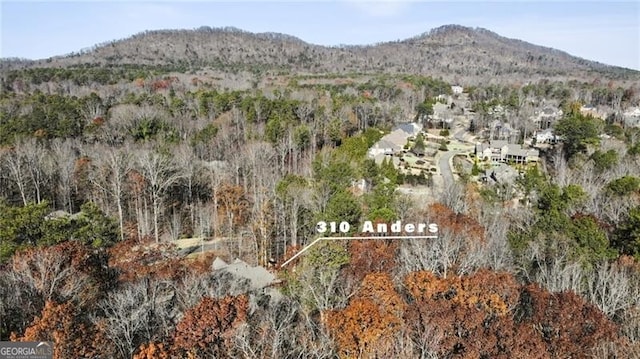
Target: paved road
x=445 y=163
x=445 y=167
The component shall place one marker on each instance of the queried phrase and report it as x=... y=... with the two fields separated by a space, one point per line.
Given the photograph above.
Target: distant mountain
x=453 y=52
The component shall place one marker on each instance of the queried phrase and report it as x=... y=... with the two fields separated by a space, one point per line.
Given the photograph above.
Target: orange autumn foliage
x=58 y=323
x=488 y=314
x=160 y=85
x=233 y=205
x=492 y=292
x=470 y=314
x=459 y=224
x=370 y=256
x=134 y=260
x=366 y=327
x=569 y=325
x=153 y=351
x=207 y=329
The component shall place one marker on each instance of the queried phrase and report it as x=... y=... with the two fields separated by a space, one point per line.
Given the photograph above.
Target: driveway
x=445 y=160
x=445 y=163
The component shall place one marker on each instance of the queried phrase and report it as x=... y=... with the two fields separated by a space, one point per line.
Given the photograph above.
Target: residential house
x=442 y=116
x=497 y=147
x=491 y=150
x=502 y=151
x=394 y=141
x=410 y=128
x=547 y=136
x=457 y=90
x=386 y=146
x=482 y=151
x=518 y=155
x=501 y=173
x=444 y=98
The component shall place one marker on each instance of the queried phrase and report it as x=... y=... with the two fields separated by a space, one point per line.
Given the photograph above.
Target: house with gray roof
x=502 y=151
x=442 y=116
x=394 y=142
x=519 y=155
x=410 y=128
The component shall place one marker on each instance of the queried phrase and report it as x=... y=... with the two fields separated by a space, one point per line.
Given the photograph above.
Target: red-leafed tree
x=60 y=324
x=569 y=326
x=233 y=206
x=471 y=316
x=488 y=314
x=457 y=223
x=153 y=351
x=370 y=256
x=208 y=328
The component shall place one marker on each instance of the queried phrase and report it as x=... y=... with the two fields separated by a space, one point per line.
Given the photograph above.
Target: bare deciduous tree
x=282 y=330
x=189 y=166
x=64 y=157
x=161 y=173
x=135 y=313
x=454 y=197
x=15 y=166
x=611 y=289
x=38 y=164
x=112 y=166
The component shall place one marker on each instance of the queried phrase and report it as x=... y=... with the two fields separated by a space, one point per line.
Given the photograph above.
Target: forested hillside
x=147 y=205
x=452 y=52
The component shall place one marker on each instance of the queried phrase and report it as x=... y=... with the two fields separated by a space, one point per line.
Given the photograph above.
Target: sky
x=603 y=31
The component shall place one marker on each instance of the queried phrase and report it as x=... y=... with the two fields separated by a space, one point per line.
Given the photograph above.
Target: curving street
x=445 y=161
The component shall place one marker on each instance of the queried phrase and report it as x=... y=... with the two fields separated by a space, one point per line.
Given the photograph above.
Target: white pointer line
x=370 y=237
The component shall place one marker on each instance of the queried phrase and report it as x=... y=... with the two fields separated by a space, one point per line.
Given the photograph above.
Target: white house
x=482 y=151
x=457 y=90
x=546 y=136
x=491 y=150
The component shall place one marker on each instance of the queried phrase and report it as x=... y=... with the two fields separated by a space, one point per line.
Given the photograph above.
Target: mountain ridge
x=448 y=51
